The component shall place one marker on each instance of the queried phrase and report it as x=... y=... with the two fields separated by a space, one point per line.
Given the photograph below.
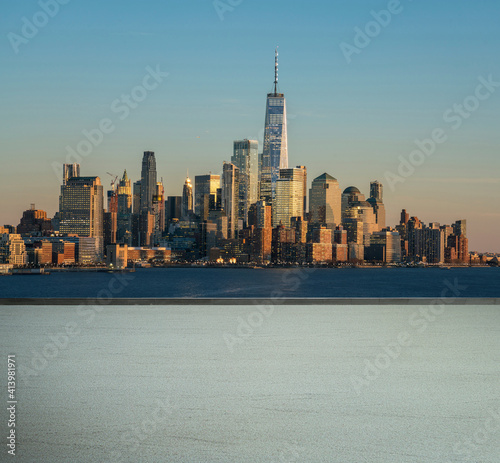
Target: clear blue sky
x=350 y=120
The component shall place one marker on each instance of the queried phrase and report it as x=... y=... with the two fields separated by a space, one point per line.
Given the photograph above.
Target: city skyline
x=351 y=120
x=148 y=181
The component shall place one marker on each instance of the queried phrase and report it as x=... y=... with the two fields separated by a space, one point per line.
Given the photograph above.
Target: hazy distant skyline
x=351 y=120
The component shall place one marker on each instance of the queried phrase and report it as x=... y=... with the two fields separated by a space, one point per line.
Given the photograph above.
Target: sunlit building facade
x=275 y=149
x=289 y=199
x=325 y=201
x=205 y=194
x=70 y=171
x=246 y=159
x=187 y=200
x=230 y=197
x=81 y=207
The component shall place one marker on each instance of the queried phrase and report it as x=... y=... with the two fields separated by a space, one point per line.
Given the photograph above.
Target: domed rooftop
x=361 y=204
x=352 y=190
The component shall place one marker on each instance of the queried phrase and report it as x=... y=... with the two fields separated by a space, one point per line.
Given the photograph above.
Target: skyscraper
x=159 y=211
x=405 y=217
x=376 y=200
x=148 y=181
x=460 y=227
x=304 y=215
x=246 y=159
x=124 y=194
x=349 y=196
x=81 y=207
x=69 y=171
x=363 y=211
x=261 y=220
x=187 y=200
x=173 y=208
x=275 y=150
x=230 y=197
x=289 y=200
x=325 y=201
x=136 y=197
x=124 y=216
x=148 y=190
x=205 y=194
x=376 y=190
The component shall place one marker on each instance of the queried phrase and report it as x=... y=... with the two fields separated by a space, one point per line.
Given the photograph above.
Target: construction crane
x=113 y=194
x=113 y=182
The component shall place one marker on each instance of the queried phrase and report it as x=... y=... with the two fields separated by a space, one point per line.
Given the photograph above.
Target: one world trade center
x=275 y=150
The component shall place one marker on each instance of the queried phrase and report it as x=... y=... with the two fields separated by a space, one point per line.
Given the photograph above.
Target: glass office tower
x=246 y=158
x=275 y=150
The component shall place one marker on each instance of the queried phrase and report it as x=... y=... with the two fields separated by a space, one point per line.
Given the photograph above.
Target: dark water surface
x=248 y=283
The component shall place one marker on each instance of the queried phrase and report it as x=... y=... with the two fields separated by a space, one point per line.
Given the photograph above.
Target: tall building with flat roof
x=460 y=227
x=159 y=211
x=136 y=197
x=246 y=159
x=275 y=149
x=173 y=206
x=426 y=244
x=81 y=207
x=289 y=200
x=205 y=194
x=230 y=197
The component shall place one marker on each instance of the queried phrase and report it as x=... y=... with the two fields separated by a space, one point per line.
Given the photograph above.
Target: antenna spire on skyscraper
x=276 y=71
